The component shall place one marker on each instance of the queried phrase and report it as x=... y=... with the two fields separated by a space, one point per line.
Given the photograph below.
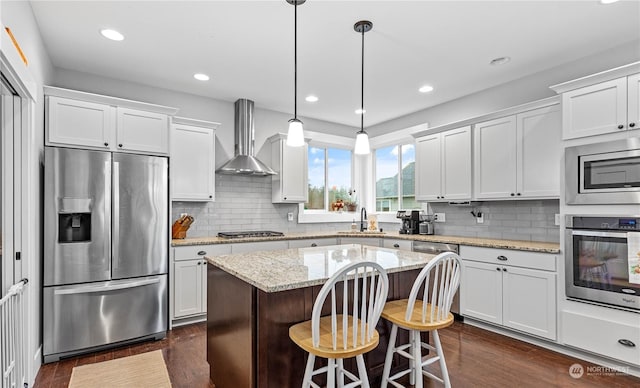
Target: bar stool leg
x=389 y=358
x=417 y=358
x=306 y=381
x=443 y=364
x=340 y=373
x=362 y=371
x=331 y=373
x=412 y=364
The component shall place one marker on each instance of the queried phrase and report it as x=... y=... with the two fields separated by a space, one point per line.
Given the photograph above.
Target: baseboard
x=188 y=320
x=556 y=347
x=37 y=363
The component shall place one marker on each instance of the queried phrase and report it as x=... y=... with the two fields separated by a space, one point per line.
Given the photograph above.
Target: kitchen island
x=253 y=299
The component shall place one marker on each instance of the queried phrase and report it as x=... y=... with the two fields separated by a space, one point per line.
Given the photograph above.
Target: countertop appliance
x=436 y=248
x=410 y=221
x=603 y=173
x=251 y=233
x=602 y=260
x=106 y=241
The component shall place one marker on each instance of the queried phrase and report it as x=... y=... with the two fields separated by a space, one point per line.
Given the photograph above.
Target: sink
x=359 y=232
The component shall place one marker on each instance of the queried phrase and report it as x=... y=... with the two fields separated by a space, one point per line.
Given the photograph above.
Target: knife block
x=180 y=227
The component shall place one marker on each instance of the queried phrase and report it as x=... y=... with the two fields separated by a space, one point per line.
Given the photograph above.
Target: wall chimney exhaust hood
x=244 y=162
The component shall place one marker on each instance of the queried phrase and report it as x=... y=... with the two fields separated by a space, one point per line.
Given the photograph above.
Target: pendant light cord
x=295 y=60
x=362 y=85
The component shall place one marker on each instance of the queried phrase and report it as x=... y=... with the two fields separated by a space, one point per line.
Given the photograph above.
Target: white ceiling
x=247 y=47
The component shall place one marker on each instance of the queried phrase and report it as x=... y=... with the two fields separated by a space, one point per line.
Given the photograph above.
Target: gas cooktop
x=253 y=233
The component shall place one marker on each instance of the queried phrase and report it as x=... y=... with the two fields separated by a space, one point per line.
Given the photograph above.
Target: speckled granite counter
x=278 y=270
x=532 y=246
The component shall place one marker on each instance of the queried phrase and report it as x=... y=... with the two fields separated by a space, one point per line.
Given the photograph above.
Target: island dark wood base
x=248 y=342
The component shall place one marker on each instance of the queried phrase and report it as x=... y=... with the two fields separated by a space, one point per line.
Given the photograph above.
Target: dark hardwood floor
x=475 y=358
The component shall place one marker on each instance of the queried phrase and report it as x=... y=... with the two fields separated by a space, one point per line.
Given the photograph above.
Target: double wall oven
x=603 y=260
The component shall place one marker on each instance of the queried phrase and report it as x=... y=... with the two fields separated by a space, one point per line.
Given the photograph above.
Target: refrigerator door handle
x=107 y=204
x=120 y=286
x=116 y=215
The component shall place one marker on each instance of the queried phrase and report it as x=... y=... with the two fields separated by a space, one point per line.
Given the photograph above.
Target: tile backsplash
x=244 y=203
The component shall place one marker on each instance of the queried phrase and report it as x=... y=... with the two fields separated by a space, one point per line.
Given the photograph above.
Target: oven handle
x=598 y=234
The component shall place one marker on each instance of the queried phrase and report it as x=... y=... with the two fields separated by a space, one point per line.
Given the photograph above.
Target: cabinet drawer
x=259 y=246
x=405 y=245
x=317 y=242
x=534 y=260
x=360 y=240
x=601 y=336
x=200 y=251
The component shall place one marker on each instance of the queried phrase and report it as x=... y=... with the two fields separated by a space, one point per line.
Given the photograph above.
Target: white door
x=529 y=302
x=595 y=109
x=188 y=287
x=192 y=163
x=539 y=150
x=633 y=110
x=481 y=291
x=142 y=131
x=495 y=158
x=456 y=164
x=428 y=182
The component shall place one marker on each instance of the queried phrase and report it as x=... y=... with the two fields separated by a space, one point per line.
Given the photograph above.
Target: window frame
x=400 y=181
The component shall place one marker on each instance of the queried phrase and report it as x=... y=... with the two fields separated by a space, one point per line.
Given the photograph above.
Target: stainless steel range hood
x=244 y=163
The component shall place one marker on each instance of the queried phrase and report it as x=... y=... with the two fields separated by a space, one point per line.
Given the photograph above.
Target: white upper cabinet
x=192 y=160
x=84 y=120
x=290 y=184
x=606 y=102
x=519 y=156
x=443 y=166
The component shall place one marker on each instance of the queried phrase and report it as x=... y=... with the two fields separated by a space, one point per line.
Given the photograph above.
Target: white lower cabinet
x=190 y=294
x=497 y=287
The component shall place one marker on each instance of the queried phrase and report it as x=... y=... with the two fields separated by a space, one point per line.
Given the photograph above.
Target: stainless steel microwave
x=603 y=173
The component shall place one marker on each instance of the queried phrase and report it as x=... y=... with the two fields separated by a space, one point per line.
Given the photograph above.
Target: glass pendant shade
x=295 y=136
x=362 y=144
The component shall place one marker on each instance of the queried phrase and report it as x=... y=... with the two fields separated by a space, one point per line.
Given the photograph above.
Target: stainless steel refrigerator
x=105 y=250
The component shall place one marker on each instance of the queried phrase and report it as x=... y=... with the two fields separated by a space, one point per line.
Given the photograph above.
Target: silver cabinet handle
x=626 y=342
x=202 y=253
x=314 y=245
x=119 y=286
x=199 y=263
x=396 y=245
x=504 y=269
x=497 y=268
x=502 y=258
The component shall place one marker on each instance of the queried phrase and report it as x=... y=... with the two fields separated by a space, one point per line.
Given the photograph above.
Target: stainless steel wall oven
x=602 y=260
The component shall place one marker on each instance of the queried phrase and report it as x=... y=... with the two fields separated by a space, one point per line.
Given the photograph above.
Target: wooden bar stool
x=350 y=329
x=439 y=281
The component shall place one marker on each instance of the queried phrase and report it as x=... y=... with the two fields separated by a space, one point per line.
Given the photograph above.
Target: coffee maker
x=410 y=221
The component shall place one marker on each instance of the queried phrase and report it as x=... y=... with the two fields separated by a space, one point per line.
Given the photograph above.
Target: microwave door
x=77 y=216
x=140 y=215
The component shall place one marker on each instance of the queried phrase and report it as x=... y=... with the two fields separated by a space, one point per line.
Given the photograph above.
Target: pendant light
x=362 y=139
x=295 y=135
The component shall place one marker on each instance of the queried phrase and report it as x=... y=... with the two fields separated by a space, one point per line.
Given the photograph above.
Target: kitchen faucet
x=363 y=218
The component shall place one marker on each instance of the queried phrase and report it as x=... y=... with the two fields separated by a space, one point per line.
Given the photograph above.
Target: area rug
x=144 y=370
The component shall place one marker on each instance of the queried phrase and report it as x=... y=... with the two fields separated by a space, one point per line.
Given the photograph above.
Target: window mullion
x=326 y=179
x=400 y=205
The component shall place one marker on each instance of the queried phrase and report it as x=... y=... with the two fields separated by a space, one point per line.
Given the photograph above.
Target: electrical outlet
x=290 y=216
x=557 y=219
x=439 y=217
x=480 y=220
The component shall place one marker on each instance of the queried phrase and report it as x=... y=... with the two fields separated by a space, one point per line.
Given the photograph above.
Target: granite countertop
x=279 y=270
x=533 y=246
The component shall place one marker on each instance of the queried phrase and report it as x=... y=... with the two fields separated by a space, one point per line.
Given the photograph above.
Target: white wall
x=520 y=91
x=267 y=122
x=17 y=15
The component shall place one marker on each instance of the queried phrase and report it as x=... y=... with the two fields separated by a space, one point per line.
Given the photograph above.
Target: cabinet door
x=481 y=291
x=529 y=301
x=79 y=123
x=294 y=173
x=192 y=163
x=595 y=109
x=539 y=150
x=189 y=287
x=456 y=164
x=142 y=131
x=495 y=158
x=428 y=159
x=633 y=110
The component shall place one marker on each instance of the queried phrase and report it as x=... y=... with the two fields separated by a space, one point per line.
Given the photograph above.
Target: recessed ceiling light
x=426 y=89
x=311 y=98
x=360 y=111
x=608 y=1
x=112 y=34
x=201 y=77
x=499 y=61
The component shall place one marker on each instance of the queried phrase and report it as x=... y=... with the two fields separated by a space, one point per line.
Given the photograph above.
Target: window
x=395 y=178
x=330 y=180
